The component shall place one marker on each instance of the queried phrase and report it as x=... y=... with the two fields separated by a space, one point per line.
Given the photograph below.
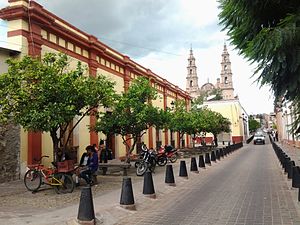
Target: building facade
x=37 y=31
x=229 y=105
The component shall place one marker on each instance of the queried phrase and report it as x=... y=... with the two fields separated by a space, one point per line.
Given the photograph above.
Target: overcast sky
x=158 y=34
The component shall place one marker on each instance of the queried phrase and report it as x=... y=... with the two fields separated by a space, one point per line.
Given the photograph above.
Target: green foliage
x=267 y=32
x=253 y=125
x=44 y=95
x=132 y=114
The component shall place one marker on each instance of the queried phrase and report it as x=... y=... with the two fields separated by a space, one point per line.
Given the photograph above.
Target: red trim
x=13 y=33
x=166 y=136
x=150 y=137
x=237 y=139
x=187 y=140
x=93 y=134
x=34 y=147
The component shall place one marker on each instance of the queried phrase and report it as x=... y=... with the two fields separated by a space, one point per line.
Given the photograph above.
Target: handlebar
x=40 y=160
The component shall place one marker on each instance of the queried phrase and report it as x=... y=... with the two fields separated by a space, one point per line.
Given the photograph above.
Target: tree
x=268 y=32
x=253 y=125
x=132 y=114
x=180 y=119
x=44 y=95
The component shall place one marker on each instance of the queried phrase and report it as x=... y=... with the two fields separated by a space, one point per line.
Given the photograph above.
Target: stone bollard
x=169 y=179
x=148 y=189
x=201 y=162
x=207 y=158
x=213 y=156
x=194 y=167
x=183 y=170
x=86 y=214
x=127 y=199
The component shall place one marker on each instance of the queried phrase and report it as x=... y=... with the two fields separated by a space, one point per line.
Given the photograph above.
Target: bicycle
x=38 y=174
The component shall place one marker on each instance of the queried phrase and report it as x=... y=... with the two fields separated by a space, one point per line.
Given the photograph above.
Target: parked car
x=259 y=138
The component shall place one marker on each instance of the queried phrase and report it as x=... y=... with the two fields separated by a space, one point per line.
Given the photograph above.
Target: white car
x=259 y=138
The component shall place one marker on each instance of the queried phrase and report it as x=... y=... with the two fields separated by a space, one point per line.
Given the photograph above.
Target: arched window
x=191 y=71
x=191 y=83
x=225 y=67
x=226 y=80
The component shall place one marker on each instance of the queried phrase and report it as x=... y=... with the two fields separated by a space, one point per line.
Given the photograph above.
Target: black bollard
x=207 y=158
x=222 y=152
x=296 y=177
x=286 y=163
x=148 y=189
x=183 y=170
x=218 y=156
x=86 y=212
x=194 y=167
x=213 y=156
x=169 y=179
x=127 y=199
x=201 y=162
x=290 y=169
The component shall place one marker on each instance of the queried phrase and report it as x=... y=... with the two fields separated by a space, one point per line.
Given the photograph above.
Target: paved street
x=248 y=187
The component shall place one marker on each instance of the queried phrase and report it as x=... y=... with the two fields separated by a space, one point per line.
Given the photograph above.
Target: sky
x=158 y=34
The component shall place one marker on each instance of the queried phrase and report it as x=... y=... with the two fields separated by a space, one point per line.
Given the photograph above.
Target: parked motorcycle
x=170 y=153
x=147 y=162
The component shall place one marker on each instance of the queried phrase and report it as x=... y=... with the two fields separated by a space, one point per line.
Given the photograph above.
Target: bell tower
x=226 y=76
x=192 y=79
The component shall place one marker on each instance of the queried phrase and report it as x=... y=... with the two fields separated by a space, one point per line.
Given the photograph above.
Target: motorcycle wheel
x=136 y=164
x=162 y=161
x=141 y=168
x=173 y=158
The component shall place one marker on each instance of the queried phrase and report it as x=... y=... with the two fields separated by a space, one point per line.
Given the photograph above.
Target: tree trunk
x=55 y=141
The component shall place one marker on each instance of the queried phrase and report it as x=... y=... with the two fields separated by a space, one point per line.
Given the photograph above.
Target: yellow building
x=233 y=110
x=36 y=31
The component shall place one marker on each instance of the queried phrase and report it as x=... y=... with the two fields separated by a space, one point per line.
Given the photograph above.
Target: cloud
x=136 y=27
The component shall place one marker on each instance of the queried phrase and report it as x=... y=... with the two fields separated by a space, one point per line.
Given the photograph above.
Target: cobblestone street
x=246 y=187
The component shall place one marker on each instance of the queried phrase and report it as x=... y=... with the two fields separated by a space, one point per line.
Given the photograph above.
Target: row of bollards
x=289 y=167
x=86 y=213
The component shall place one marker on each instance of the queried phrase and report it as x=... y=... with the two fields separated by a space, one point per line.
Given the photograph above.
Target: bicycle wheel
x=63 y=183
x=33 y=180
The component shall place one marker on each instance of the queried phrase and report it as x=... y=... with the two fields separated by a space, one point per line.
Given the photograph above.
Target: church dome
x=207 y=87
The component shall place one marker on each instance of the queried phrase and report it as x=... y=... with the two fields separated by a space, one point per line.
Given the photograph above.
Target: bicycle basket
x=65 y=166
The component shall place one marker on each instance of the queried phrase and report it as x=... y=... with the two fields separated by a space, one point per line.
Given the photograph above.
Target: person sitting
x=92 y=165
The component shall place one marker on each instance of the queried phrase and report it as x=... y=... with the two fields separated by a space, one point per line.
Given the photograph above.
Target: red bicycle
x=38 y=174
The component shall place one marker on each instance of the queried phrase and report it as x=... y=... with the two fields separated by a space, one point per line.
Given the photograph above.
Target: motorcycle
x=170 y=153
x=148 y=161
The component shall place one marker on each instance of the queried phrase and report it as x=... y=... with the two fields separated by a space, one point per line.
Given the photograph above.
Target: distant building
x=229 y=105
x=225 y=84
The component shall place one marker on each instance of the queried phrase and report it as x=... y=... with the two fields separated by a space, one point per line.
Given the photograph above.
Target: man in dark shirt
x=92 y=165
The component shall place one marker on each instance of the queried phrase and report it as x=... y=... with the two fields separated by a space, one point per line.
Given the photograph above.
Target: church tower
x=226 y=76
x=192 y=79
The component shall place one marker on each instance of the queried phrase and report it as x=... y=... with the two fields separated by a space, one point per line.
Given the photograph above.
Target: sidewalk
x=291 y=151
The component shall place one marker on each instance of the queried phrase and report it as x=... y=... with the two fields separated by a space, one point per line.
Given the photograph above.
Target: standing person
x=101 y=148
x=276 y=135
x=92 y=165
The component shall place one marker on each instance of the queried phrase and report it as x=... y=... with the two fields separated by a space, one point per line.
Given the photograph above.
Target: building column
x=34 y=50
x=93 y=72
x=166 y=131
